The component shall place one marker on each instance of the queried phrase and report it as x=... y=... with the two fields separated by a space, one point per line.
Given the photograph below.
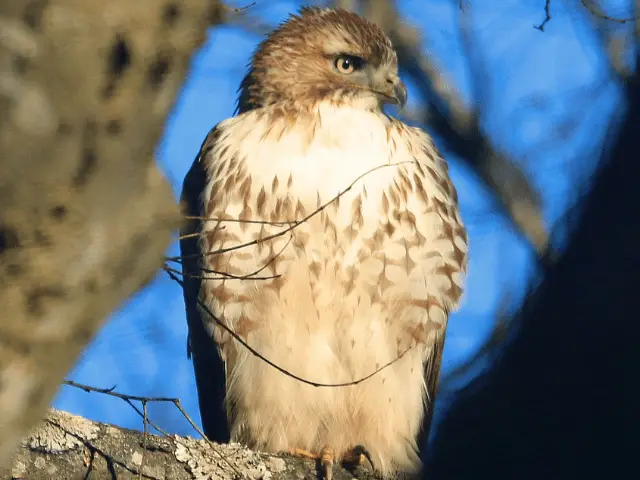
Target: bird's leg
x=356 y=456
x=302 y=453
x=326 y=462
x=325 y=457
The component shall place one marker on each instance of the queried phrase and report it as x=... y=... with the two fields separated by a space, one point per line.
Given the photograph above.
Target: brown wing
x=208 y=365
x=454 y=268
x=431 y=378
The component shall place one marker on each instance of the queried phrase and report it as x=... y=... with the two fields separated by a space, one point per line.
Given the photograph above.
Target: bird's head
x=323 y=54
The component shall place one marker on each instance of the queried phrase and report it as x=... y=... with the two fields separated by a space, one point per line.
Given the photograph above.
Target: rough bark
x=85 y=86
x=65 y=447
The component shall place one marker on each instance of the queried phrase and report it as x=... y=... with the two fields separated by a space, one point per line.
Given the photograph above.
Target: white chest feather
x=322 y=155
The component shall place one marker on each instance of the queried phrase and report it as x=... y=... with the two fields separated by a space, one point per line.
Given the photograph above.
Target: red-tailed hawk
x=371 y=275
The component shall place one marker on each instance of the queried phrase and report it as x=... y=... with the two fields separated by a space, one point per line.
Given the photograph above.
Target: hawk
x=326 y=235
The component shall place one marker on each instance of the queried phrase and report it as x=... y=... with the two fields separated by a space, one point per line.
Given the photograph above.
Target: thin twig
x=295 y=224
x=547 y=16
x=246 y=7
x=141 y=414
x=223 y=276
x=251 y=275
x=275 y=223
x=189 y=419
x=111 y=392
x=129 y=399
x=173 y=437
x=595 y=10
x=276 y=366
x=228 y=276
x=145 y=433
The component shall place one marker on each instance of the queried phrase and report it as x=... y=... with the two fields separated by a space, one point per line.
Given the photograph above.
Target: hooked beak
x=388 y=87
x=394 y=91
x=398 y=91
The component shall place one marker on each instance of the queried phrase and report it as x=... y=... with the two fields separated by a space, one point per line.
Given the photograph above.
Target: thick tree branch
x=67 y=446
x=85 y=88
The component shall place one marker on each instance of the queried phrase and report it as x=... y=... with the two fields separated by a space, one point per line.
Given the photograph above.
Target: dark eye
x=347 y=64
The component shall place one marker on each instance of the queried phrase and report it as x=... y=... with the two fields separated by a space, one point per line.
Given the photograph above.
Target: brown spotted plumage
x=370 y=275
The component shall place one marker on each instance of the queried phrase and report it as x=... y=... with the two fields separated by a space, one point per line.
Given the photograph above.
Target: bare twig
x=111 y=392
x=129 y=399
x=246 y=7
x=253 y=351
x=547 y=16
x=229 y=276
x=295 y=223
x=145 y=423
x=595 y=10
x=222 y=276
x=237 y=220
x=251 y=275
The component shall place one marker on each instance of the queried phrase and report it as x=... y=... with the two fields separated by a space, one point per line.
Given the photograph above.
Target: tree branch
x=547 y=16
x=67 y=446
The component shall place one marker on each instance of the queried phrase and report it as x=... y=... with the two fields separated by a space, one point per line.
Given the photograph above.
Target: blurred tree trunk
x=561 y=399
x=85 y=87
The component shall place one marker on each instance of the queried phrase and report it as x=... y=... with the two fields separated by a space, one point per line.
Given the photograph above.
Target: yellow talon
x=326 y=461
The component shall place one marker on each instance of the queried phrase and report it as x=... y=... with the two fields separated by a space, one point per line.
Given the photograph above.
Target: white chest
x=320 y=157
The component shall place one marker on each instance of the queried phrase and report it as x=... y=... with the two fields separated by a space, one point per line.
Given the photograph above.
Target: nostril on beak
x=390 y=81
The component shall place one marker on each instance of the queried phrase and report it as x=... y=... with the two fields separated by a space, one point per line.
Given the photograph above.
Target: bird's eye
x=347 y=64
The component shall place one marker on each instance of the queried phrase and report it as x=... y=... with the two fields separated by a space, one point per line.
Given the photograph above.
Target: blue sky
x=546 y=104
